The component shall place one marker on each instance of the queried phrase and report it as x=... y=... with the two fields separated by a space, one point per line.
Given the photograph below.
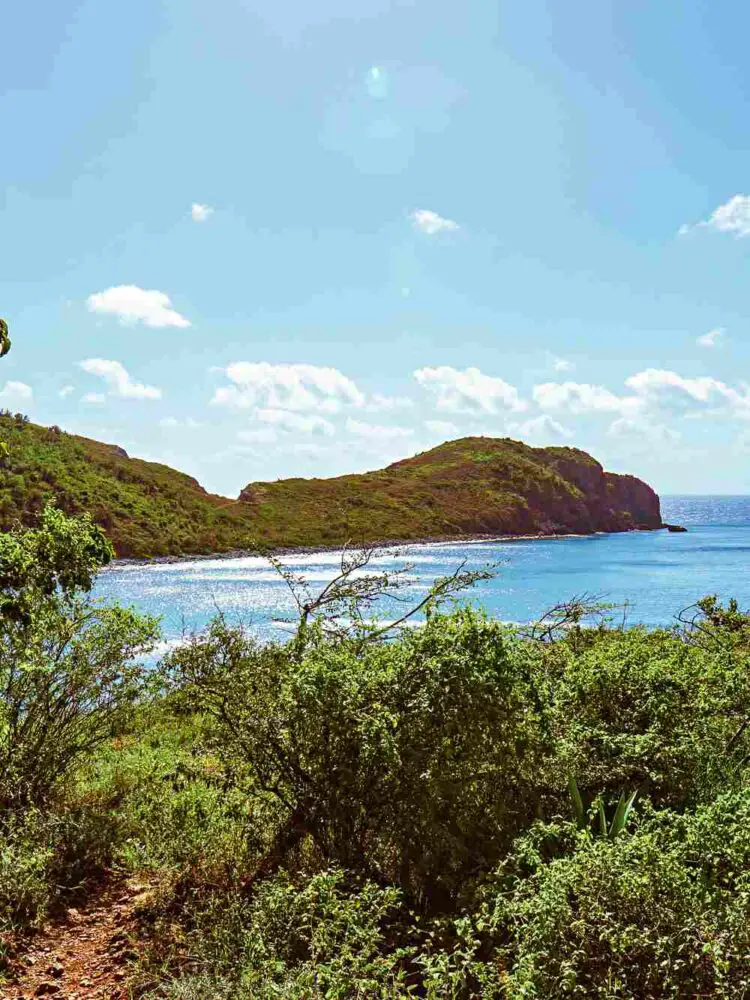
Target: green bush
x=68 y=674
x=649 y=710
x=412 y=762
x=643 y=916
x=323 y=936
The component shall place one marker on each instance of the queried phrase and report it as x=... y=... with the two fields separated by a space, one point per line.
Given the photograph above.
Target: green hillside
x=469 y=486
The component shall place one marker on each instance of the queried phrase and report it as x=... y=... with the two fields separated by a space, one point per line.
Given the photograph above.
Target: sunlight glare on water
x=655 y=573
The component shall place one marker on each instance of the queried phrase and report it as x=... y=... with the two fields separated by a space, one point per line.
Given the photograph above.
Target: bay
x=651 y=576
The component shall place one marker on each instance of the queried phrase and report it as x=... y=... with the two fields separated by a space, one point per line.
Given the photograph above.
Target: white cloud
x=470 y=390
x=15 y=393
x=668 y=389
x=710 y=339
x=174 y=422
x=652 y=391
x=131 y=305
x=378 y=403
x=541 y=429
x=66 y=391
x=430 y=222
x=560 y=364
x=93 y=397
x=442 y=427
x=580 y=397
x=645 y=431
x=200 y=213
x=289 y=421
x=119 y=382
x=377 y=432
x=287 y=387
x=731 y=217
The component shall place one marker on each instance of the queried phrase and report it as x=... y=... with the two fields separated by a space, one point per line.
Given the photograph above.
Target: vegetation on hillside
x=460 y=810
x=470 y=486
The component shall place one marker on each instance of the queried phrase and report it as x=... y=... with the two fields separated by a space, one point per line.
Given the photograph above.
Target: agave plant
x=606 y=828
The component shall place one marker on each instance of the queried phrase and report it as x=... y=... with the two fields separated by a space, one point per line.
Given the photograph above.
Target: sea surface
x=650 y=576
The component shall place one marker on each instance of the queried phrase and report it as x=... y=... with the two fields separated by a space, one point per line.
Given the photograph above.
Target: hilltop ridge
x=470 y=486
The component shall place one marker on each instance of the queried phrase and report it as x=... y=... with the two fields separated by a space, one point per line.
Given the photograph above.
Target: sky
x=255 y=239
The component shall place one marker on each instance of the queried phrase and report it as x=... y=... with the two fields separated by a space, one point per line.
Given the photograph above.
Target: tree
x=69 y=679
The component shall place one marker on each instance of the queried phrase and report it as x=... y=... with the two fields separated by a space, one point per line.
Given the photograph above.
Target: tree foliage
x=68 y=680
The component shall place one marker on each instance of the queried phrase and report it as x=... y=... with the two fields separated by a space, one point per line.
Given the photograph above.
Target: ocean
x=650 y=576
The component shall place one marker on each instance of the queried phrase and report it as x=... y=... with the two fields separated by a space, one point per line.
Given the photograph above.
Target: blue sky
x=273 y=238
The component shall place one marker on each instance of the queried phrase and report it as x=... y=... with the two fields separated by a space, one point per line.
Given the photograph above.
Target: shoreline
x=291 y=550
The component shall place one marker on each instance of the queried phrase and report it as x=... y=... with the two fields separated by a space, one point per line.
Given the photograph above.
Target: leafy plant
x=606 y=828
x=68 y=680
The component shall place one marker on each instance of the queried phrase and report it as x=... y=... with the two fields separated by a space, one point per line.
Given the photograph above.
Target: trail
x=91 y=952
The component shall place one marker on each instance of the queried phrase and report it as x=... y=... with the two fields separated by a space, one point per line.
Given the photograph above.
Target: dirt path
x=91 y=953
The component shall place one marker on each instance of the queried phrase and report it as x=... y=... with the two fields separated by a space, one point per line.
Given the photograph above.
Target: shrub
x=68 y=681
x=410 y=762
x=662 y=913
x=648 y=710
x=324 y=936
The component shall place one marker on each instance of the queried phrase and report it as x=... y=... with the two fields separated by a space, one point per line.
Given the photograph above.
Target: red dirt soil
x=92 y=952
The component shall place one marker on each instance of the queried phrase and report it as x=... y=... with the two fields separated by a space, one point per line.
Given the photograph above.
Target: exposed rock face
x=606 y=502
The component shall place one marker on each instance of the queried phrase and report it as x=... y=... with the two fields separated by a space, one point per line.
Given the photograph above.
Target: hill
x=471 y=486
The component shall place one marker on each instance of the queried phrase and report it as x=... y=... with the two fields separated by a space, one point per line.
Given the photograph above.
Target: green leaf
x=622 y=814
x=578 y=811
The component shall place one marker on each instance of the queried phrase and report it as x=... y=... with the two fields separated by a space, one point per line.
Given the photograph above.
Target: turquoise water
x=655 y=574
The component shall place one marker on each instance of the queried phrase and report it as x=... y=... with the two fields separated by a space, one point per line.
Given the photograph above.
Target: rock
x=73 y=915
x=47 y=989
x=676 y=528
x=56 y=970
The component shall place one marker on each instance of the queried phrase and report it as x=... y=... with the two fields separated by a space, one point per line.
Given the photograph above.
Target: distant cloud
x=290 y=421
x=578 y=397
x=66 y=391
x=200 y=213
x=174 y=423
x=710 y=339
x=118 y=381
x=731 y=217
x=469 y=391
x=132 y=305
x=93 y=397
x=560 y=364
x=442 y=427
x=645 y=431
x=15 y=393
x=430 y=222
x=287 y=387
x=539 y=430
x=669 y=390
x=650 y=392
x=377 y=432
x=378 y=403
